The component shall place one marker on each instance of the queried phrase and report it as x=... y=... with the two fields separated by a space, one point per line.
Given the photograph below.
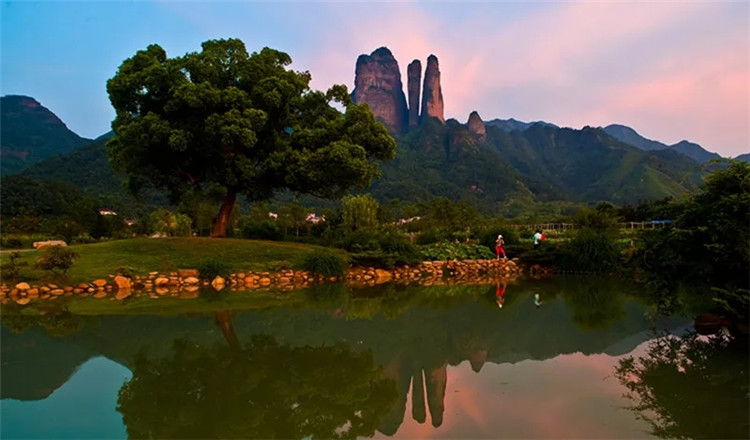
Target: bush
x=126 y=271
x=591 y=251
x=326 y=263
x=265 y=230
x=210 y=269
x=384 y=249
x=11 y=243
x=12 y=268
x=430 y=236
x=56 y=259
x=456 y=251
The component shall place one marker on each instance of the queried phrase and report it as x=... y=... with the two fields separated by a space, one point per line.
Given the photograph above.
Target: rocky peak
x=476 y=126
x=377 y=82
x=414 y=77
x=432 y=94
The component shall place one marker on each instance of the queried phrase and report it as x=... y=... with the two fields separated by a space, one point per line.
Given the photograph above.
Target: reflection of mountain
x=34 y=364
x=414 y=334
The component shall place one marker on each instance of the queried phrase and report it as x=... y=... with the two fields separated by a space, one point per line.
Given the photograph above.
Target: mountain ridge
x=30 y=133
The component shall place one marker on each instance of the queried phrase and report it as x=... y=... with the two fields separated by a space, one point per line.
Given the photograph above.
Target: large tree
x=243 y=122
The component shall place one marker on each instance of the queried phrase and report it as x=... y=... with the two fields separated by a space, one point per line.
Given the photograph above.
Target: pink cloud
x=671 y=70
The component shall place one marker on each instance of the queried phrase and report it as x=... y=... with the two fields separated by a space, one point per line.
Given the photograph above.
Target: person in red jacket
x=499 y=243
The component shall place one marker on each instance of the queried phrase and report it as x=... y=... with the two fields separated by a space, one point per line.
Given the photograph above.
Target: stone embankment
x=185 y=283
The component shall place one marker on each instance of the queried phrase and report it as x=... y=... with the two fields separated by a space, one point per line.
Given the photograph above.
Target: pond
x=557 y=358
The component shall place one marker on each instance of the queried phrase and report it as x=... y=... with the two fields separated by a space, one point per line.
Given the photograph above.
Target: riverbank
x=185 y=283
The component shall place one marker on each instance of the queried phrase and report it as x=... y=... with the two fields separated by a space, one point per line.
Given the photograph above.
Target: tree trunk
x=224 y=319
x=221 y=221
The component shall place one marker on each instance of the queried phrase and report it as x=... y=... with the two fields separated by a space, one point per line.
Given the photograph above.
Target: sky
x=671 y=70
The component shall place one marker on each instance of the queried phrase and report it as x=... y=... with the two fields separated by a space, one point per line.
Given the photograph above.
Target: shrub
x=488 y=237
x=265 y=230
x=278 y=266
x=126 y=271
x=325 y=263
x=11 y=243
x=430 y=236
x=591 y=251
x=384 y=249
x=210 y=269
x=12 y=268
x=56 y=259
x=456 y=251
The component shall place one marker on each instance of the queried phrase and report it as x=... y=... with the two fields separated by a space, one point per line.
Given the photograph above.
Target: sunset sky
x=671 y=70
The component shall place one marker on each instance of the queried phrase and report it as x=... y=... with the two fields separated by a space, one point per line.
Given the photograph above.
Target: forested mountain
x=631 y=137
x=30 y=133
x=694 y=151
x=512 y=124
x=743 y=157
x=542 y=162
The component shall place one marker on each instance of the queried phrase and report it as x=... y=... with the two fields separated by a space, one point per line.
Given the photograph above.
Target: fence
x=651 y=224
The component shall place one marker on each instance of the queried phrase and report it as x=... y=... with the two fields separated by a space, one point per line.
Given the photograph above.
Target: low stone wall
x=186 y=284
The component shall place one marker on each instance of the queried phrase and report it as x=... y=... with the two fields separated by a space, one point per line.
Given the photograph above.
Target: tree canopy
x=241 y=121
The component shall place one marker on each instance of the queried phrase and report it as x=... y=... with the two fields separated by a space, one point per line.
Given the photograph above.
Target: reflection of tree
x=266 y=390
x=56 y=321
x=694 y=387
x=594 y=304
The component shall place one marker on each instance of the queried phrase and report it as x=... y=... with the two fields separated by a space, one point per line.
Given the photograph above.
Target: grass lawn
x=144 y=255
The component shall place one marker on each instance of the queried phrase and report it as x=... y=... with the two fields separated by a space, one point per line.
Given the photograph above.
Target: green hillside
x=29 y=133
x=543 y=163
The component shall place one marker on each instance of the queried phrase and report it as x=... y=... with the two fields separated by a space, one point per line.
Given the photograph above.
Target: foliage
x=359 y=212
x=57 y=259
x=595 y=303
x=265 y=230
x=12 y=268
x=455 y=251
x=735 y=302
x=681 y=377
x=64 y=228
x=55 y=319
x=30 y=206
x=240 y=121
x=169 y=223
x=10 y=243
x=593 y=246
x=212 y=268
x=443 y=214
x=262 y=390
x=547 y=254
x=709 y=241
x=326 y=263
x=385 y=248
x=432 y=235
x=126 y=271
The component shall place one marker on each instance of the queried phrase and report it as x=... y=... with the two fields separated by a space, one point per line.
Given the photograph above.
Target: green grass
x=145 y=255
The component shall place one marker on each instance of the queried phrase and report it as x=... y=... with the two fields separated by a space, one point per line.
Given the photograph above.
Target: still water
x=562 y=358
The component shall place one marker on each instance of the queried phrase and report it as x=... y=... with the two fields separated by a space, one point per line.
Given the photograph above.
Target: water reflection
x=691 y=387
x=336 y=362
x=264 y=390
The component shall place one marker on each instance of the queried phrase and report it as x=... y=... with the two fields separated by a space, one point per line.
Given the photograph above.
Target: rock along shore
x=186 y=283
